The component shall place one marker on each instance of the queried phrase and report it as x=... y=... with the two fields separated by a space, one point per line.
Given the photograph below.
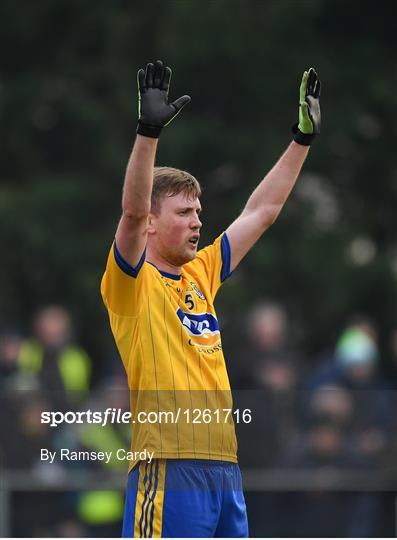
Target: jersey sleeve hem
x=225 y=252
x=124 y=265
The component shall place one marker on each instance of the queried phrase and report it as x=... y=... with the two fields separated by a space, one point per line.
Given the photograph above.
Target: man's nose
x=196 y=223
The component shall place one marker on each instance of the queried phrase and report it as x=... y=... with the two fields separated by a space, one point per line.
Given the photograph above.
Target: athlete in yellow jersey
x=159 y=292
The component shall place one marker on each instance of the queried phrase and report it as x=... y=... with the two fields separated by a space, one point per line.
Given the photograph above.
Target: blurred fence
x=255 y=480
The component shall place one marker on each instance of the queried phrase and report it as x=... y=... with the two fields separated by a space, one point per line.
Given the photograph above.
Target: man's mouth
x=194 y=240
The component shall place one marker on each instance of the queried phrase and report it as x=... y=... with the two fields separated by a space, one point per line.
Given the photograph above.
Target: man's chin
x=183 y=256
x=193 y=251
x=188 y=256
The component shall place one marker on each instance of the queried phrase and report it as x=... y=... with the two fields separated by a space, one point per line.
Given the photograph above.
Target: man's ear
x=151 y=224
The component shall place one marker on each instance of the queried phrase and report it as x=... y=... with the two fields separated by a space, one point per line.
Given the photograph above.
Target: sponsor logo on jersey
x=202 y=328
x=197 y=290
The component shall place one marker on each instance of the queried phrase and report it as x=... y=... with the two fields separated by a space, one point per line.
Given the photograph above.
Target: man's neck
x=162 y=264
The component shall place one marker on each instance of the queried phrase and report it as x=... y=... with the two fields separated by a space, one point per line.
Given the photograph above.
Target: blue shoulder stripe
x=225 y=251
x=123 y=264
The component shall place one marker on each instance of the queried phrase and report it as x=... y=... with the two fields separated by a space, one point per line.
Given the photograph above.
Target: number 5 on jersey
x=189 y=301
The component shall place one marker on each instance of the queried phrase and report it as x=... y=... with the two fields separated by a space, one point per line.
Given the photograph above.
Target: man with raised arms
x=159 y=290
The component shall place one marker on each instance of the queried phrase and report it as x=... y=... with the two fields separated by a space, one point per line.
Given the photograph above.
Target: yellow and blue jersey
x=167 y=332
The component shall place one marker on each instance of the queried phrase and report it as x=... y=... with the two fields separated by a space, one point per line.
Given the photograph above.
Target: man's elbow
x=269 y=215
x=135 y=215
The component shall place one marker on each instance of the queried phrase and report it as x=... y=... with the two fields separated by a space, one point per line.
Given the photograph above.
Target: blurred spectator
x=26 y=434
x=268 y=340
x=323 y=439
x=391 y=371
x=355 y=353
x=100 y=512
x=23 y=438
x=325 y=445
x=354 y=367
x=113 y=394
x=10 y=345
x=363 y=322
x=59 y=365
x=269 y=384
x=391 y=367
x=333 y=402
x=268 y=327
x=354 y=360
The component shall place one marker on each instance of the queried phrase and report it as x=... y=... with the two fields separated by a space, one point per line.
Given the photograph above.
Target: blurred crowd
x=49 y=371
x=332 y=412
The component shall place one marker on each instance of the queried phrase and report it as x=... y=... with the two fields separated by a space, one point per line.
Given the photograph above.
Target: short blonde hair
x=168 y=182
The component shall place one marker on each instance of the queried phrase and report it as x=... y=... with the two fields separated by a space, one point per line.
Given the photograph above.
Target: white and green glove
x=309 y=109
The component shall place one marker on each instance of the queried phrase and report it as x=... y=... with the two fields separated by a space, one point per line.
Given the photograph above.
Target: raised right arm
x=155 y=112
x=131 y=232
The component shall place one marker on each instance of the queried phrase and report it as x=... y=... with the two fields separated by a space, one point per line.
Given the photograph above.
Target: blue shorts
x=185 y=498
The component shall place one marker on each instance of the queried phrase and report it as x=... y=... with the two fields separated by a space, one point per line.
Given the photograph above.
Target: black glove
x=155 y=111
x=309 y=109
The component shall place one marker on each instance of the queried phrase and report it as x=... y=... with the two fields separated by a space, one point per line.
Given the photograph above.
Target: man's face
x=175 y=232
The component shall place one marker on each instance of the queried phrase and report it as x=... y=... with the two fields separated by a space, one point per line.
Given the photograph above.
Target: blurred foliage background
x=68 y=110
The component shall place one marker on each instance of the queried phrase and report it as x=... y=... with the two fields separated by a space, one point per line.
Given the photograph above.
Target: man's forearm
x=270 y=195
x=268 y=198
x=139 y=177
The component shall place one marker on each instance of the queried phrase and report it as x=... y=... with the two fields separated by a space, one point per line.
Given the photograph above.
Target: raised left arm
x=267 y=200
x=265 y=203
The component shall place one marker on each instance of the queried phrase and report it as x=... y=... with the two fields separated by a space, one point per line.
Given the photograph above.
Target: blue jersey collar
x=166 y=274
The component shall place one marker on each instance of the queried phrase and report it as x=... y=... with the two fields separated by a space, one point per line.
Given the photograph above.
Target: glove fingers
x=314 y=113
x=158 y=73
x=180 y=102
x=311 y=84
x=149 y=75
x=304 y=114
x=141 y=81
x=165 y=83
x=317 y=90
x=303 y=87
